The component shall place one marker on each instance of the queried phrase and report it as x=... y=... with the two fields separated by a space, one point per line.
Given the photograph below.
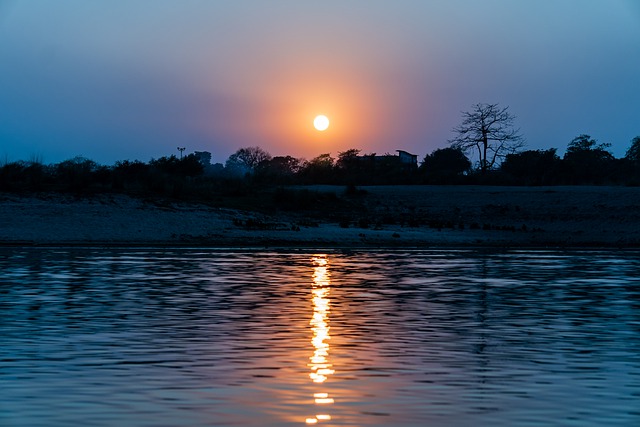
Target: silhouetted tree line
x=586 y=162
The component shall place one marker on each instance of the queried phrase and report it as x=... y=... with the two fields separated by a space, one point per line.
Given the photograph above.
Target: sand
x=396 y=216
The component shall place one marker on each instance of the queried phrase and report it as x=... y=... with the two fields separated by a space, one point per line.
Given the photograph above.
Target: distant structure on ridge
x=408 y=158
x=404 y=157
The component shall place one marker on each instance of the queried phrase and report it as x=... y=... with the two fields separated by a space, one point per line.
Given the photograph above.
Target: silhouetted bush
x=25 y=176
x=187 y=166
x=587 y=162
x=445 y=166
x=319 y=170
x=533 y=167
x=76 y=175
x=278 y=170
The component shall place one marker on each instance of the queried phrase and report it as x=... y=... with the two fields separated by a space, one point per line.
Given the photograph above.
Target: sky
x=131 y=79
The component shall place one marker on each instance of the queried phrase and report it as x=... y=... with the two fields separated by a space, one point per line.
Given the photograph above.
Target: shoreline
x=386 y=217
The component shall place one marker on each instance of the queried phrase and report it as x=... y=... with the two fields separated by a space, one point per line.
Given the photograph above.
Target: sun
x=321 y=122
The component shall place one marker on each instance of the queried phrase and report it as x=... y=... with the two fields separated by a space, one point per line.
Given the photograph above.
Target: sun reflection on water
x=320 y=365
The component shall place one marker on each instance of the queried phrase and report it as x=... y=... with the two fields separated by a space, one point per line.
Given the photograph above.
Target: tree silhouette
x=587 y=162
x=279 y=169
x=187 y=166
x=350 y=166
x=633 y=153
x=204 y=157
x=76 y=174
x=348 y=159
x=488 y=129
x=585 y=143
x=532 y=167
x=246 y=160
x=445 y=165
x=319 y=169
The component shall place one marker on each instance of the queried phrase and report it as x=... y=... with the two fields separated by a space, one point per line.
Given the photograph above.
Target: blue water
x=179 y=337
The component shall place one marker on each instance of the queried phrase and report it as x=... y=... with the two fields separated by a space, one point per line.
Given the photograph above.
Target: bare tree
x=488 y=129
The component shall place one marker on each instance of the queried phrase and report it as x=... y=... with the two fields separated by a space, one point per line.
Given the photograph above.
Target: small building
x=404 y=159
x=408 y=158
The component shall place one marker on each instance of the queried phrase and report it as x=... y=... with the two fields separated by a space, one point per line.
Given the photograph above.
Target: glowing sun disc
x=321 y=123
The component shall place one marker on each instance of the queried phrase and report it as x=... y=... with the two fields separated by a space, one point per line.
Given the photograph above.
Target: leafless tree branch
x=487 y=128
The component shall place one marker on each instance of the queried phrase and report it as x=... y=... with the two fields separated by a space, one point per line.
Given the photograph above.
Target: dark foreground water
x=403 y=338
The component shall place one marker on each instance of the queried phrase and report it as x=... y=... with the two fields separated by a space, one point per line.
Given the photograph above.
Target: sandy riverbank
x=386 y=216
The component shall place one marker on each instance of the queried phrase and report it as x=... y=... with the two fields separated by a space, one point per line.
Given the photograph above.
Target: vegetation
x=251 y=173
x=533 y=167
x=445 y=166
x=487 y=129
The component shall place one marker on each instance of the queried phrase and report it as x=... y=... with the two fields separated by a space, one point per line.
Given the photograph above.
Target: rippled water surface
x=400 y=338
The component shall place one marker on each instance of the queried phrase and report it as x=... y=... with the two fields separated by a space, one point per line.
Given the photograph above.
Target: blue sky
x=135 y=79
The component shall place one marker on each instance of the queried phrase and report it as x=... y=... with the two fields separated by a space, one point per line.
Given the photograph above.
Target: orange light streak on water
x=320 y=365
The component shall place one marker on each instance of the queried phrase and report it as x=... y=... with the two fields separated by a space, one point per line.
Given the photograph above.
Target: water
x=155 y=337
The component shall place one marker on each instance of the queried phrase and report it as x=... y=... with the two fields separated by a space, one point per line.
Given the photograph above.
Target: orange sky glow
x=109 y=82
x=284 y=101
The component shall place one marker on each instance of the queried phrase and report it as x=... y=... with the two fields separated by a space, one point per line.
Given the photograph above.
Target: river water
x=195 y=337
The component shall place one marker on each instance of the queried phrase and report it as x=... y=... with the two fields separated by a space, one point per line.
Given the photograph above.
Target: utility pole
x=181 y=149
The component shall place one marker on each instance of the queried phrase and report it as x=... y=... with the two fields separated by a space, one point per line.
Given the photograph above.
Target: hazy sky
x=130 y=79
